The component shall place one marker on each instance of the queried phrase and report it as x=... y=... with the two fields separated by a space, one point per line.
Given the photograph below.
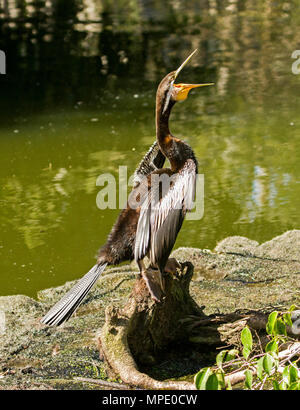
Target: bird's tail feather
x=65 y=307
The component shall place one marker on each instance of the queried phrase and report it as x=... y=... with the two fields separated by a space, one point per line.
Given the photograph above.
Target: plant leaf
x=201 y=378
x=231 y=354
x=283 y=386
x=286 y=374
x=246 y=339
x=249 y=379
x=268 y=363
x=212 y=382
x=272 y=346
x=287 y=319
x=260 y=368
x=221 y=378
x=220 y=358
x=271 y=322
x=280 y=327
x=293 y=374
x=294 y=386
x=229 y=387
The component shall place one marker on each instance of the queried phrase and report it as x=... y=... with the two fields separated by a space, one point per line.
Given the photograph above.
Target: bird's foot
x=172 y=265
x=154 y=284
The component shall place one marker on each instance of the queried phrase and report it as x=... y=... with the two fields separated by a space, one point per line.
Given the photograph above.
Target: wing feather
x=161 y=218
x=153 y=160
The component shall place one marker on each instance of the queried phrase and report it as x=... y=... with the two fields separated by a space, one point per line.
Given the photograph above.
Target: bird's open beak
x=185 y=63
x=183 y=89
x=190 y=86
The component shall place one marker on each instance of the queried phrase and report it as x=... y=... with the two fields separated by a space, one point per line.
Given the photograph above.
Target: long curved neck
x=163 y=134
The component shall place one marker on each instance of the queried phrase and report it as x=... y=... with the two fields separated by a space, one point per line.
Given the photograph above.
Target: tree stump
x=136 y=335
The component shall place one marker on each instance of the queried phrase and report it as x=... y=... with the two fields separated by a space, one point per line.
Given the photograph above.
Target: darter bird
x=161 y=196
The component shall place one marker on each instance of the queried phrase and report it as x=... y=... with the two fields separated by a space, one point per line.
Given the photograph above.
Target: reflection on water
x=78 y=101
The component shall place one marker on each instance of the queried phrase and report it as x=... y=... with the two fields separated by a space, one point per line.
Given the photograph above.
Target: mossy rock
x=239 y=273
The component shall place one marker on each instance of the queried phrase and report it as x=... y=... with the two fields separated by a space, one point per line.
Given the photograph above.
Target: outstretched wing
x=162 y=214
x=153 y=160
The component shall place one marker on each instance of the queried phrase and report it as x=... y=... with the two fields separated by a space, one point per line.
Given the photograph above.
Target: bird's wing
x=161 y=215
x=153 y=160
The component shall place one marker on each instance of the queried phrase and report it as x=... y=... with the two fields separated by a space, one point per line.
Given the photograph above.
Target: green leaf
x=293 y=374
x=229 y=387
x=212 y=382
x=231 y=354
x=220 y=358
x=287 y=319
x=293 y=307
x=271 y=322
x=202 y=377
x=276 y=361
x=260 y=368
x=249 y=379
x=246 y=339
x=286 y=374
x=246 y=352
x=221 y=378
x=283 y=386
x=276 y=385
x=272 y=346
x=280 y=328
x=294 y=386
x=268 y=363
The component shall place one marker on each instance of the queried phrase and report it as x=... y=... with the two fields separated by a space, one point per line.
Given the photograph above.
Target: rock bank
x=238 y=274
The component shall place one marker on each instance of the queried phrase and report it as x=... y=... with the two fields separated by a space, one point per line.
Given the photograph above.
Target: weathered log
x=226 y=328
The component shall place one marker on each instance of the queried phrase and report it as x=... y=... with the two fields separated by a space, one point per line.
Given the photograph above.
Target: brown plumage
x=118 y=248
x=149 y=224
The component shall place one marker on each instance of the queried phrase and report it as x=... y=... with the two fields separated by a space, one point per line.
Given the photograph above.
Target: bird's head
x=169 y=92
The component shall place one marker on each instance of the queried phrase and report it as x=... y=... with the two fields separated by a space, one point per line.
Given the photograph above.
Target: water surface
x=78 y=101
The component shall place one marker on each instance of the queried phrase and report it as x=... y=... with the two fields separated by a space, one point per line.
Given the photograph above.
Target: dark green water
x=78 y=101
